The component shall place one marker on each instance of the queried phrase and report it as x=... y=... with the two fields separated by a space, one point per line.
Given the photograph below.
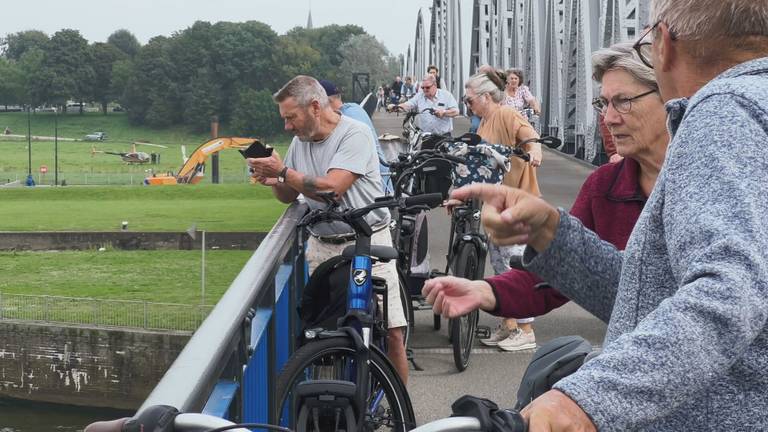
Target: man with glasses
x=441 y=101
x=687 y=341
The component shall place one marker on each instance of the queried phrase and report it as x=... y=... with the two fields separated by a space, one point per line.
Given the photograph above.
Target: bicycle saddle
x=378 y=252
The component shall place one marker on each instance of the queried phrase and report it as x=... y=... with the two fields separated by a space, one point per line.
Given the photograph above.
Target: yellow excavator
x=193 y=169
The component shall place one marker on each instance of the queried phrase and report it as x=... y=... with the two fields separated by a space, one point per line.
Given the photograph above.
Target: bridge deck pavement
x=492 y=373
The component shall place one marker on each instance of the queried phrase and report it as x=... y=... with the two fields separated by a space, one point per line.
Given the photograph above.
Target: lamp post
x=56 y=146
x=29 y=140
x=202 y=268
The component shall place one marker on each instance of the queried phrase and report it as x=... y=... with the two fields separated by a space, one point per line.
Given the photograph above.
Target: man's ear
x=667 y=50
x=314 y=107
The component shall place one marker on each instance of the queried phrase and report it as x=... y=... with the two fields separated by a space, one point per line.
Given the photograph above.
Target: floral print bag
x=486 y=163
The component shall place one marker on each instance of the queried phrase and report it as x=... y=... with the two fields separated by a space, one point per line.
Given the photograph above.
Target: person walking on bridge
x=441 y=101
x=502 y=124
x=332 y=152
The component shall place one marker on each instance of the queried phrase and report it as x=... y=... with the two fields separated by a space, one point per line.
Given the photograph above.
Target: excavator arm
x=193 y=169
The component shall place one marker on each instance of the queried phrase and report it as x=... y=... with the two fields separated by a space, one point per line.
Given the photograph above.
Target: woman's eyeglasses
x=469 y=100
x=620 y=104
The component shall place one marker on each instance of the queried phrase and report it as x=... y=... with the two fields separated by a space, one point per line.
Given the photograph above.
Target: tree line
x=225 y=69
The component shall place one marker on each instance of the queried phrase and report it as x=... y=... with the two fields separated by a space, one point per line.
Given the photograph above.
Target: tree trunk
x=104 y=107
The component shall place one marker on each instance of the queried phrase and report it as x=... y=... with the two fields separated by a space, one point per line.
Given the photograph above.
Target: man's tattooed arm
x=310 y=184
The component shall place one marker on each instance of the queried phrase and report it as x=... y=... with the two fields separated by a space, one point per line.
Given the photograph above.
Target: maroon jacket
x=609 y=203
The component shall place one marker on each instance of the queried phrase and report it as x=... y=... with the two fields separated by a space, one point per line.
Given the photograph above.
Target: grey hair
x=712 y=19
x=429 y=78
x=622 y=56
x=482 y=83
x=304 y=89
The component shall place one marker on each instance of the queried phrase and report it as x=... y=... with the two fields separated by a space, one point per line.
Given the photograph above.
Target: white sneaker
x=498 y=335
x=518 y=340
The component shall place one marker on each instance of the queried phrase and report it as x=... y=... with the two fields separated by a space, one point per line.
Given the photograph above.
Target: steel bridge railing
x=229 y=367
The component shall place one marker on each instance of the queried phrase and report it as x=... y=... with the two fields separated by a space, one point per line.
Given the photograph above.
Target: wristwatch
x=281 y=176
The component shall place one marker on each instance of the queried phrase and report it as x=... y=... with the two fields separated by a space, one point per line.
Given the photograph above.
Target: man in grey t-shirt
x=333 y=152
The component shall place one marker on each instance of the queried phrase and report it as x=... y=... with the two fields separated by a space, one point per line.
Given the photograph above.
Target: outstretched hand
x=453 y=297
x=512 y=216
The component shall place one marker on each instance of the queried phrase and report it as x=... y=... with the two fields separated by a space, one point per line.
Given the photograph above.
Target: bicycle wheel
x=388 y=407
x=405 y=299
x=462 y=329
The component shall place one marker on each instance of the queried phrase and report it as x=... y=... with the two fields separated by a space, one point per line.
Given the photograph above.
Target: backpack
x=324 y=299
x=418 y=237
x=552 y=362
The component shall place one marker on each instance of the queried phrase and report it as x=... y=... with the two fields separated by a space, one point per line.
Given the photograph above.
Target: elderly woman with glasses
x=609 y=202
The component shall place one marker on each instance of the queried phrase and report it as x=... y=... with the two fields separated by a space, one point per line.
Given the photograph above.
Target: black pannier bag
x=324 y=299
x=419 y=267
x=552 y=362
x=429 y=142
x=436 y=176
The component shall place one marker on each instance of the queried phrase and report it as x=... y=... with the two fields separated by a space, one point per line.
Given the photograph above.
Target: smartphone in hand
x=256 y=150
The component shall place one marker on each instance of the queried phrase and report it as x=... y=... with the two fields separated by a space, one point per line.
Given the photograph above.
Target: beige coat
x=502 y=127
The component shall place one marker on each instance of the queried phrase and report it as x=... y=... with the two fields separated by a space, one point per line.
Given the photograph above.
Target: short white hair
x=622 y=56
x=429 y=78
x=712 y=19
x=304 y=89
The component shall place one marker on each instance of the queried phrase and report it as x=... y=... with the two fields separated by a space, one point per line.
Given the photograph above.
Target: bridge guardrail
x=230 y=365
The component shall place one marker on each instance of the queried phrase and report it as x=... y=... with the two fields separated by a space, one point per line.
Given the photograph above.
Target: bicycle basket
x=486 y=163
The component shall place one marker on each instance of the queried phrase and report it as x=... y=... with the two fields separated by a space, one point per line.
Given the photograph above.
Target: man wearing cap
x=333 y=152
x=355 y=111
x=441 y=101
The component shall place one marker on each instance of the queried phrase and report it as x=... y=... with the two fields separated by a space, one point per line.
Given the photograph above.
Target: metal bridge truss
x=551 y=41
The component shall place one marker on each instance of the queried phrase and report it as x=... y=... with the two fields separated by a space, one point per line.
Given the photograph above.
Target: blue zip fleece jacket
x=687 y=303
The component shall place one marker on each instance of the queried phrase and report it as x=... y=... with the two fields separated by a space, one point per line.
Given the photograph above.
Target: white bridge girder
x=552 y=41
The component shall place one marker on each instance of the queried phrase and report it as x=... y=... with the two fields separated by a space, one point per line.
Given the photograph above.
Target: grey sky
x=391 y=21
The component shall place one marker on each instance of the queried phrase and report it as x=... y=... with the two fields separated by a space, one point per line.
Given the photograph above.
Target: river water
x=20 y=416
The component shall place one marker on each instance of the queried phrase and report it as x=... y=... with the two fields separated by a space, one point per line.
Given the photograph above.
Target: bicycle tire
x=463 y=328
x=324 y=359
x=405 y=299
x=436 y=322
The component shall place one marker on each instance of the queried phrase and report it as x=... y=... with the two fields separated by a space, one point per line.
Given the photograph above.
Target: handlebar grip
x=431 y=200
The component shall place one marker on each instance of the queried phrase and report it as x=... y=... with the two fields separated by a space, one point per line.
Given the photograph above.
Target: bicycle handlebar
x=350 y=215
x=187 y=422
x=549 y=141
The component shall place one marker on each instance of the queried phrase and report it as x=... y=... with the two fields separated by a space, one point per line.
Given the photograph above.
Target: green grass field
x=161 y=208
x=77 y=162
x=156 y=276
x=153 y=276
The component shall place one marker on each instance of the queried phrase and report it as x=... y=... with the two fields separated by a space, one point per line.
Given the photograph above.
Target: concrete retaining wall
x=83 y=366
x=35 y=241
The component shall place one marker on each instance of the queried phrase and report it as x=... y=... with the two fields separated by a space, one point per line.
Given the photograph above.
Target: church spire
x=309 y=18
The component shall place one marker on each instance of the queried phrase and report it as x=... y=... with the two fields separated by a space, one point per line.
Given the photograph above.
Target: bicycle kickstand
x=409 y=356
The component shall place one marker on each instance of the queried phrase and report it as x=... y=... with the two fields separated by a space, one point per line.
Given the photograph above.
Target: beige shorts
x=318 y=252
